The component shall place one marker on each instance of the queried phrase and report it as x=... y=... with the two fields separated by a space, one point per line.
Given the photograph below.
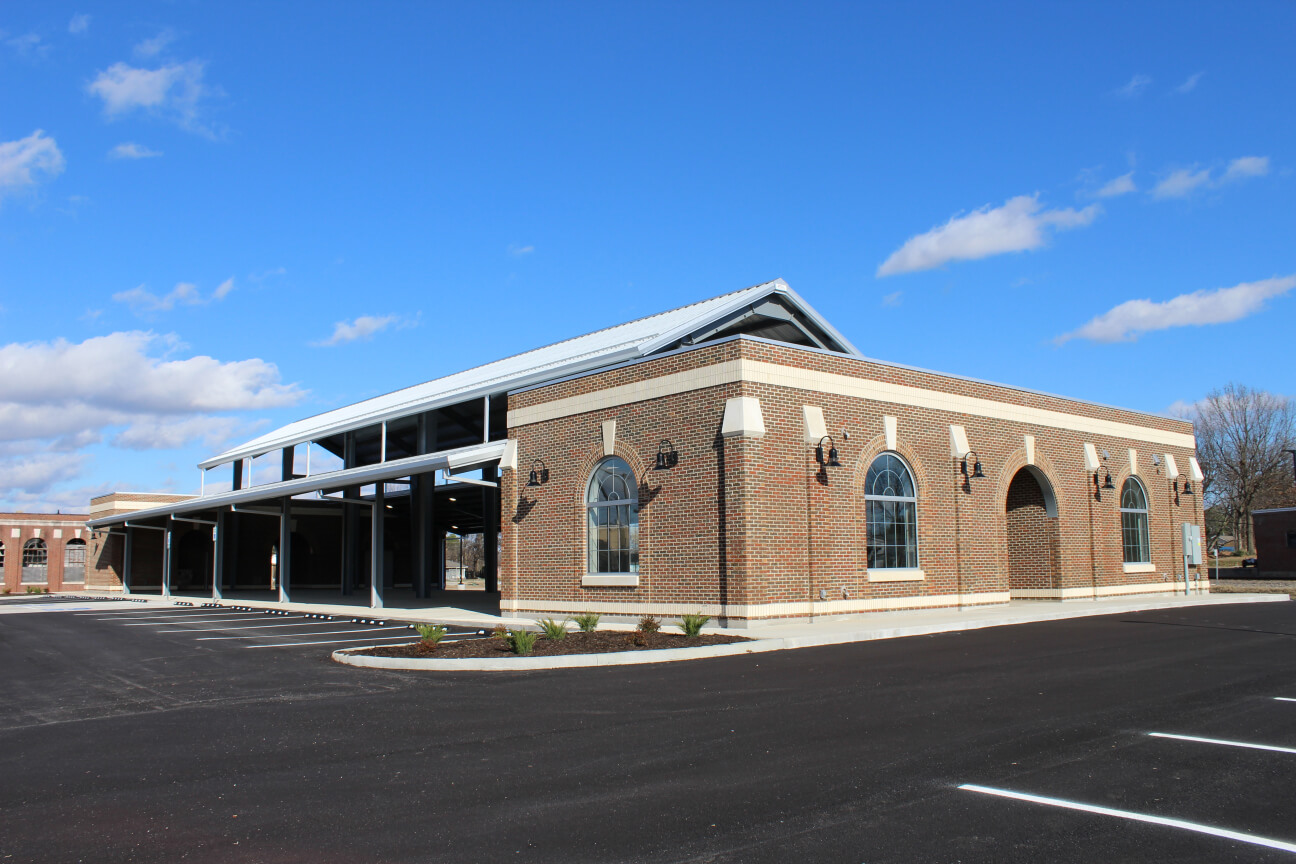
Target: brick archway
x=1030 y=516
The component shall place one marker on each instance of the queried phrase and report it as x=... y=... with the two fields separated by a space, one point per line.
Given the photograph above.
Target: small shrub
x=554 y=629
x=692 y=624
x=649 y=624
x=431 y=633
x=587 y=622
x=500 y=632
x=522 y=641
x=33 y=589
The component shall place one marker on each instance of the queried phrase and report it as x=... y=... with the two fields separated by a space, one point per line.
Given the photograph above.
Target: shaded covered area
x=1032 y=531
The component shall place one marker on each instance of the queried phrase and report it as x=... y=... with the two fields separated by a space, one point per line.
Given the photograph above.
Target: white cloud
x=363 y=327
x=165 y=434
x=517 y=251
x=1185 y=181
x=1124 y=323
x=892 y=300
x=1181 y=183
x=38 y=472
x=131 y=150
x=1017 y=226
x=1136 y=86
x=1117 y=186
x=174 y=91
x=143 y=301
x=1190 y=84
x=152 y=47
x=29 y=160
x=79 y=24
x=27 y=45
x=1246 y=166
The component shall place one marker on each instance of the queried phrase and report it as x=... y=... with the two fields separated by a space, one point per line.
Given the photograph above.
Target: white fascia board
x=362 y=476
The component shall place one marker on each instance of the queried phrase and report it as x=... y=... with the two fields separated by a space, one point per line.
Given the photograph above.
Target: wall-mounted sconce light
x=1106 y=484
x=667 y=457
x=831 y=461
x=1187 y=488
x=539 y=473
x=976 y=465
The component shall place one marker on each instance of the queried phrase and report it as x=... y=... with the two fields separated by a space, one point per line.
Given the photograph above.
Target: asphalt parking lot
x=1156 y=736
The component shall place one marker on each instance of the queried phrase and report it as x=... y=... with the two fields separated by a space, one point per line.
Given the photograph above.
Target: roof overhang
x=458 y=458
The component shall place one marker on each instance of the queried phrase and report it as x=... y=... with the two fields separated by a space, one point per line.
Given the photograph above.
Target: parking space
x=214 y=626
x=1228 y=777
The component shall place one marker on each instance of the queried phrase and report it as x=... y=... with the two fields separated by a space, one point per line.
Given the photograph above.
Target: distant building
x=54 y=552
x=1275 y=538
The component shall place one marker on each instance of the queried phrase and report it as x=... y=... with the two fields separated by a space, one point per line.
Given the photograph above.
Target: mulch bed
x=598 y=642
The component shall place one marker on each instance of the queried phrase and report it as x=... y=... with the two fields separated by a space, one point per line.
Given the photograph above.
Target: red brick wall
x=1032 y=535
x=755 y=521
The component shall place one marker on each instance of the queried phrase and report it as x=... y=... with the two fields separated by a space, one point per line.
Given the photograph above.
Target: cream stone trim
x=813 y=420
x=117 y=506
x=1143 y=567
x=1029 y=441
x=889 y=425
x=743 y=418
x=1133 y=457
x=958 y=442
x=732 y=371
x=1194 y=468
x=629 y=580
x=1091 y=457
x=761 y=610
x=1089 y=592
x=1172 y=467
x=899 y=574
x=609 y=437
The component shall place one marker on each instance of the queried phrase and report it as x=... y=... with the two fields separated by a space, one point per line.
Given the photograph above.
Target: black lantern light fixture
x=667 y=456
x=539 y=473
x=831 y=461
x=972 y=457
x=1187 y=488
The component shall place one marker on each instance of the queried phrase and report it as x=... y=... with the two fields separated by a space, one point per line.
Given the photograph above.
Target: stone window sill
x=629 y=580
x=1138 y=568
x=906 y=574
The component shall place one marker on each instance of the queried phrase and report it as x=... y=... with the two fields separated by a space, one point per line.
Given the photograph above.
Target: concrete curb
x=760 y=646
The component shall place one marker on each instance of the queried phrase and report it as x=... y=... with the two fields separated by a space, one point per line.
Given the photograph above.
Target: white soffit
x=611 y=345
x=813 y=420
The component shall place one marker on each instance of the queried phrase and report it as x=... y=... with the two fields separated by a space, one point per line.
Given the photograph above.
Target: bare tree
x=1242 y=439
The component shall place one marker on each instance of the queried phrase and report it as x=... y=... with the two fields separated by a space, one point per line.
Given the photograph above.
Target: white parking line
x=283 y=635
x=331 y=642
x=172 y=623
x=1136 y=817
x=252 y=627
x=1246 y=744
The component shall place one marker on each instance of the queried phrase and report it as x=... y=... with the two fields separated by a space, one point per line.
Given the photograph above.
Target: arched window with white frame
x=612 y=511
x=1135 y=547
x=35 y=558
x=891 y=505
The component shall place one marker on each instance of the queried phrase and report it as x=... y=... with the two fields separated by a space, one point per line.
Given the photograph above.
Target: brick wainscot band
x=737 y=457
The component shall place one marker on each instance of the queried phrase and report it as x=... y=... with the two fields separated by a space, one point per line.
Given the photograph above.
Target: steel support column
x=285 y=549
x=127 y=561
x=376 y=570
x=166 y=557
x=218 y=554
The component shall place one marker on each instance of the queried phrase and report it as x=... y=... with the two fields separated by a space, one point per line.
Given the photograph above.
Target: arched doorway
x=1034 y=568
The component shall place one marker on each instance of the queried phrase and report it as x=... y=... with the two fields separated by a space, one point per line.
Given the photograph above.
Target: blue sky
x=219 y=217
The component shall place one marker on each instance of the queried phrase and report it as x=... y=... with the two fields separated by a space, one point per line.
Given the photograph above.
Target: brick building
x=52 y=552
x=737 y=457
x=1275 y=540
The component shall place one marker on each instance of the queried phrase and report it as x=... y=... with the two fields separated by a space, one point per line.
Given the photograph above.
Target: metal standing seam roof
x=604 y=347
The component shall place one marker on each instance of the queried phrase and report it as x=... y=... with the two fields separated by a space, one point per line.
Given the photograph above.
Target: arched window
x=1134 y=523
x=74 y=560
x=612 y=505
x=35 y=557
x=2 y=560
x=892 y=514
